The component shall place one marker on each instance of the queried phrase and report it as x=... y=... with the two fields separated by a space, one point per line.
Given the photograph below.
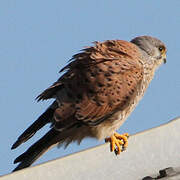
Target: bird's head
x=152 y=47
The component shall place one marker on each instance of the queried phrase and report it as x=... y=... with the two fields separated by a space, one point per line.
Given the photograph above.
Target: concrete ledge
x=147 y=153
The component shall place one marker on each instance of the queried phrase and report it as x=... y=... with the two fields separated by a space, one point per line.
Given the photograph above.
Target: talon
x=124 y=137
x=118 y=142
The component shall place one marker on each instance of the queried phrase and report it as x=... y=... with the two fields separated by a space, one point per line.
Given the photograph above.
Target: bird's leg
x=118 y=142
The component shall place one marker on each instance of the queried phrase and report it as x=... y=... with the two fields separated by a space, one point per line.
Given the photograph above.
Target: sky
x=38 y=37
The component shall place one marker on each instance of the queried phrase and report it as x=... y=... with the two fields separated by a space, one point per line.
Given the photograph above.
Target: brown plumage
x=100 y=88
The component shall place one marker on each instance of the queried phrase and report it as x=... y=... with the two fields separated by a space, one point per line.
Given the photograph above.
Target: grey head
x=152 y=48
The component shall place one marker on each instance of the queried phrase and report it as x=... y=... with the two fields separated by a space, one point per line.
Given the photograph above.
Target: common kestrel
x=100 y=88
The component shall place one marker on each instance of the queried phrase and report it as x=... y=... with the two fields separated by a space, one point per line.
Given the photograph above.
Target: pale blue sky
x=38 y=37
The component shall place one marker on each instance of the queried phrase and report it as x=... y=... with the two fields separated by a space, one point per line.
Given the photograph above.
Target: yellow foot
x=118 y=142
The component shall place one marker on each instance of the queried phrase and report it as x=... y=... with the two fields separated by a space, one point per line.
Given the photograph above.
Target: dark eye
x=161 y=49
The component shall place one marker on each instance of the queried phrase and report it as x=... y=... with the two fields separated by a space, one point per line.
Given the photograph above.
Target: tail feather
x=51 y=138
x=38 y=124
x=37 y=149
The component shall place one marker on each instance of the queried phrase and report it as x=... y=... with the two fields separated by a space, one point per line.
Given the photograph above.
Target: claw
x=118 y=142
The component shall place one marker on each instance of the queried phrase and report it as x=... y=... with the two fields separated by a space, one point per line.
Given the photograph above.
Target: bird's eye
x=161 y=49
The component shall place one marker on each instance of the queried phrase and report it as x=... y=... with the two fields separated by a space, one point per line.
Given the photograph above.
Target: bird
x=100 y=87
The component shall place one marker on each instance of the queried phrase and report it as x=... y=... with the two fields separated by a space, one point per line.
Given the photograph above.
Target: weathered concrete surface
x=147 y=153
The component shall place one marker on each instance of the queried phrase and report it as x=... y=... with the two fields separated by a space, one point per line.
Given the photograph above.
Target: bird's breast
x=113 y=123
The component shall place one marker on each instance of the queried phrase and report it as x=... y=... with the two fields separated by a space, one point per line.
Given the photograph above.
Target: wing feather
x=100 y=80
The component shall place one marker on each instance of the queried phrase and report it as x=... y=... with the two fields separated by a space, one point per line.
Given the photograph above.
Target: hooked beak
x=164 y=59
